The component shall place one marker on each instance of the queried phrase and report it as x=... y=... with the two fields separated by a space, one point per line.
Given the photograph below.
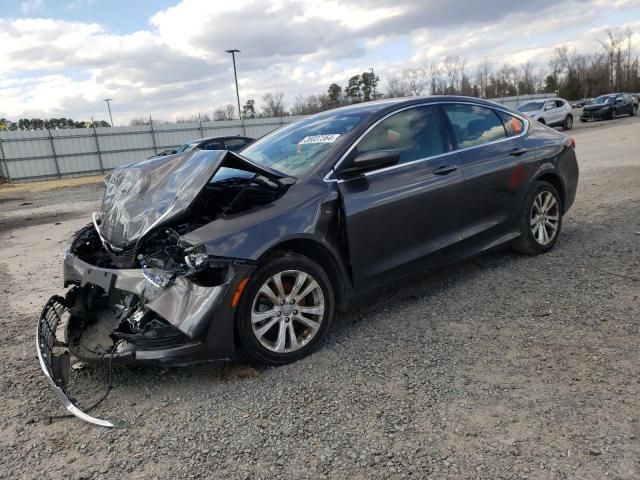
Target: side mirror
x=374 y=160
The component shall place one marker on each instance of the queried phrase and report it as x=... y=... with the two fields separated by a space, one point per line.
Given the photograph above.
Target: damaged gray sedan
x=198 y=254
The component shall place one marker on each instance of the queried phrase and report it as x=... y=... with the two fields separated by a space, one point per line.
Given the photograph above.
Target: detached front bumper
x=56 y=365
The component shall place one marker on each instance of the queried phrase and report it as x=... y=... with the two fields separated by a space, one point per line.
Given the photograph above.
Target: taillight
x=573 y=142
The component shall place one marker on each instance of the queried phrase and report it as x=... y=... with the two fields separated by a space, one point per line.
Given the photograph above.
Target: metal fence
x=46 y=154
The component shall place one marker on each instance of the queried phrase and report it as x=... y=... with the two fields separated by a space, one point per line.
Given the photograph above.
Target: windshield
x=604 y=99
x=297 y=148
x=186 y=147
x=531 y=107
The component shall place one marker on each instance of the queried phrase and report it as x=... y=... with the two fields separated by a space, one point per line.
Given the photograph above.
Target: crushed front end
x=150 y=297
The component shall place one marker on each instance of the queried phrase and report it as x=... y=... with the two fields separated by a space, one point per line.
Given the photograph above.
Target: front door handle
x=516 y=152
x=444 y=170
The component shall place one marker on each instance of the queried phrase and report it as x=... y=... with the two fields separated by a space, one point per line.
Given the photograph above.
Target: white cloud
x=178 y=65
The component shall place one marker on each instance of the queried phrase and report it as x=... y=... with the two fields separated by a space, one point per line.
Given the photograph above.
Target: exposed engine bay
x=139 y=292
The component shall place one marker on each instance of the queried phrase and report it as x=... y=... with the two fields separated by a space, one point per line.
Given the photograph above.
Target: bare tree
x=526 y=85
x=612 y=47
x=311 y=104
x=225 y=112
x=484 y=78
x=453 y=68
x=416 y=80
x=438 y=85
x=396 y=87
x=273 y=104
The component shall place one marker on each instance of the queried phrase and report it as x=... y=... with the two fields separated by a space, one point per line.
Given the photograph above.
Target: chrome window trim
x=327 y=178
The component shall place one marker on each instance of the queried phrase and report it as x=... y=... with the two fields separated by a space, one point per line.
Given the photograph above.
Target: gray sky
x=166 y=58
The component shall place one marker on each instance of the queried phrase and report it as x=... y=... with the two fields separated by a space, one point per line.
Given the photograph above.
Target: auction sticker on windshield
x=328 y=138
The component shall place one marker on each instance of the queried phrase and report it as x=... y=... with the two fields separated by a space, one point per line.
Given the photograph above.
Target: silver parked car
x=554 y=112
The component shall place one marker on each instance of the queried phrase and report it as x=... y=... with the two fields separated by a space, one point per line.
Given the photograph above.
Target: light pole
x=109 y=108
x=233 y=52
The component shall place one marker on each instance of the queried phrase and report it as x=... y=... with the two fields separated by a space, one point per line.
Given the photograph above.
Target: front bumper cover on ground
x=56 y=366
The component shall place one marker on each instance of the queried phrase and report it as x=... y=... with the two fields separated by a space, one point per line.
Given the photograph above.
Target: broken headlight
x=196 y=257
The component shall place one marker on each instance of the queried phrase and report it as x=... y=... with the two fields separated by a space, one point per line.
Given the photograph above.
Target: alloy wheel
x=287 y=311
x=545 y=217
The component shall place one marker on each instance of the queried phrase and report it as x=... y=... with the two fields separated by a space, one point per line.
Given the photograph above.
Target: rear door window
x=415 y=133
x=474 y=125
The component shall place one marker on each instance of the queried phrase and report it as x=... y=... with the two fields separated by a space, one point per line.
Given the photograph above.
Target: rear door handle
x=516 y=152
x=444 y=170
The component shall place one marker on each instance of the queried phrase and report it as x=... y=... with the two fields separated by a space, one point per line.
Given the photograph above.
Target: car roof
x=220 y=137
x=390 y=104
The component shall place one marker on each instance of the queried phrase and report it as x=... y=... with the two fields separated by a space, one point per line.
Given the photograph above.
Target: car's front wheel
x=540 y=220
x=285 y=309
x=614 y=114
x=568 y=123
x=634 y=111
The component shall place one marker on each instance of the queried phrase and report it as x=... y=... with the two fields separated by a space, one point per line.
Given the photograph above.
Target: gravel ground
x=503 y=367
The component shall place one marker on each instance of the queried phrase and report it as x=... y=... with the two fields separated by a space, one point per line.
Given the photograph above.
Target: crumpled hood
x=143 y=195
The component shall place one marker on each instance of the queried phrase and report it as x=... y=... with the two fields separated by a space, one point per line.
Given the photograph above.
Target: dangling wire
x=108 y=380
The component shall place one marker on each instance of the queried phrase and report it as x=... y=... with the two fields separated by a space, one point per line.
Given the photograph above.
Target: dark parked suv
x=197 y=254
x=609 y=107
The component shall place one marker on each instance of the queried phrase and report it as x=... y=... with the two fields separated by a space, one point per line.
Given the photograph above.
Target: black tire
x=613 y=115
x=568 y=123
x=527 y=243
x=282 y=262
x=634 y=111
x=541 y=120
x=583 y=120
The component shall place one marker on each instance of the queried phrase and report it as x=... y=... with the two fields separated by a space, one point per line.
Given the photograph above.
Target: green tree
x=368 y=84
x=550 y=84
x=249 y=109
x=334 y=93
x=354 y=88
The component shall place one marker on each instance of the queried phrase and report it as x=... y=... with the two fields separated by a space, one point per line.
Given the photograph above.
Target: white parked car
x=554 y=112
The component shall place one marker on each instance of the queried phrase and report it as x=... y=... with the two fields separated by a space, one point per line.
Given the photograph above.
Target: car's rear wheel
x=285 y=309
x=540 y=220
x=568 y=123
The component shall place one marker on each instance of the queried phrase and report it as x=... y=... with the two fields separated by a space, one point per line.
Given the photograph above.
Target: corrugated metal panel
x=31 y=169
x=169 y=135
x=79 y=163
x=112 y=160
